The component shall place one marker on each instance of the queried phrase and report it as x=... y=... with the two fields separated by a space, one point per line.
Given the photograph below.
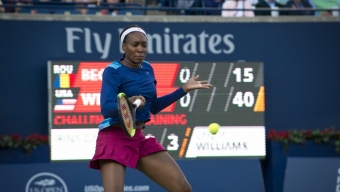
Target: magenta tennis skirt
x=113 y=144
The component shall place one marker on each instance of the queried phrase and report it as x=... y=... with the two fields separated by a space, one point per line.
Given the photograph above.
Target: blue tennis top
x=133 y=82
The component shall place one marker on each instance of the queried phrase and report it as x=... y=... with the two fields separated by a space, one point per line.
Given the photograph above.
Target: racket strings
x=126 y=114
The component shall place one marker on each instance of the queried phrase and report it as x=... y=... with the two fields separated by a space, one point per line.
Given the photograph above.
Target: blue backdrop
x=222 y=175
x=301 y=65
x=312 y=174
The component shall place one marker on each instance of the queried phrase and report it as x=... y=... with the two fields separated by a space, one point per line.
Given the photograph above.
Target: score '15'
x=247 y=74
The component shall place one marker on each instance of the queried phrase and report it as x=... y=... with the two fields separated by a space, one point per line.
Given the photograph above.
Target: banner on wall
x=312 y=175
x=174 y=42
x=219 y=175
x=236 y=103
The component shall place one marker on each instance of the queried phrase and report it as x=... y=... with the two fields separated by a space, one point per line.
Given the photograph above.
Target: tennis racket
x=127 y=113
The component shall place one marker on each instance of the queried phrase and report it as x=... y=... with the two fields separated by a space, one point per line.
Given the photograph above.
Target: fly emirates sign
x=167 y=42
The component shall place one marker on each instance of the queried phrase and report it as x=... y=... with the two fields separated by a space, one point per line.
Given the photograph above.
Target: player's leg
x=112 y=175
x=161 y=168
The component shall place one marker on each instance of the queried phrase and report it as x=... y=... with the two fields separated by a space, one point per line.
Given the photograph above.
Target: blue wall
x=222 y=175
x=301 y=64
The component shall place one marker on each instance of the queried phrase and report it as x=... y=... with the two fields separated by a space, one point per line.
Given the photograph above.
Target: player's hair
x=126 y=28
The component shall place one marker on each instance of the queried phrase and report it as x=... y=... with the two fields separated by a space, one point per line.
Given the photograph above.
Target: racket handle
x=137 y=103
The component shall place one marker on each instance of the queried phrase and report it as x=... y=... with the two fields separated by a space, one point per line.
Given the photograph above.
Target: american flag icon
x=65 y=105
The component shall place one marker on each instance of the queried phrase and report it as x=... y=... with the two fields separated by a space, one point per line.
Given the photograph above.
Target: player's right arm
x=109 y=91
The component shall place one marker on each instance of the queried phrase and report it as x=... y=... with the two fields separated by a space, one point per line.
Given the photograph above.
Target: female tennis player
x=114 y=149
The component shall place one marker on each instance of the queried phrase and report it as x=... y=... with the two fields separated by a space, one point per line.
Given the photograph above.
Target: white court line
x=228 y=75
x=193 y=100
x=211 y=72
x=229 y=97
x=163 y=136
x=211 y=98
x=195 y=69
x=195 y=93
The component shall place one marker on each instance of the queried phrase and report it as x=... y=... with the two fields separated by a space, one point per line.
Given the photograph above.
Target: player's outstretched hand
x=193 y=84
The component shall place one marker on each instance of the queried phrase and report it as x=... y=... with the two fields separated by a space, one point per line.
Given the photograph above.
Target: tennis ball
x=213 y=128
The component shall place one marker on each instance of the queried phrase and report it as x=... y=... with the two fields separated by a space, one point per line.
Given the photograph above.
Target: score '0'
x=187 y=75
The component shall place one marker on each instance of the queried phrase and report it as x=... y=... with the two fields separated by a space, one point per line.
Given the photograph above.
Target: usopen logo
x=45 y=182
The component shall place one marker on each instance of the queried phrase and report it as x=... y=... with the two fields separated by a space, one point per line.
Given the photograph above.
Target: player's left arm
x=158 y=104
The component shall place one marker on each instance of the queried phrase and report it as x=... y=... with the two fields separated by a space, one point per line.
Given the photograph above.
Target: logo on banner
x=166 y=42
x=46 y=182
x=229 y=141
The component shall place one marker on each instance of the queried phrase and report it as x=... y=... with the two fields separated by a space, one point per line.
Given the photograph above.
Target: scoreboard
x=236 y=102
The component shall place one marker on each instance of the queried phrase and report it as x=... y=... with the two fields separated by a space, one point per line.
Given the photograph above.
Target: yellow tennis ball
x=213 y=128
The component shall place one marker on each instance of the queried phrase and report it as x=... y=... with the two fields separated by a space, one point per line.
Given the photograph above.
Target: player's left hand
x=193 y=84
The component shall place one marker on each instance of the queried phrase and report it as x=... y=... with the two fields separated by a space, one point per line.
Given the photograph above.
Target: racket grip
x=137 y=103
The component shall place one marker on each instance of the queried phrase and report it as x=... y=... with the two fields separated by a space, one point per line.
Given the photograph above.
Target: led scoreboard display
x=236 y=102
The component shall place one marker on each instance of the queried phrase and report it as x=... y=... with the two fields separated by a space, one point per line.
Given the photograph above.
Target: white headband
x=130 y=30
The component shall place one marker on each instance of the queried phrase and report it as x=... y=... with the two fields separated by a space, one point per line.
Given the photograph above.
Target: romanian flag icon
x=64 y=81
